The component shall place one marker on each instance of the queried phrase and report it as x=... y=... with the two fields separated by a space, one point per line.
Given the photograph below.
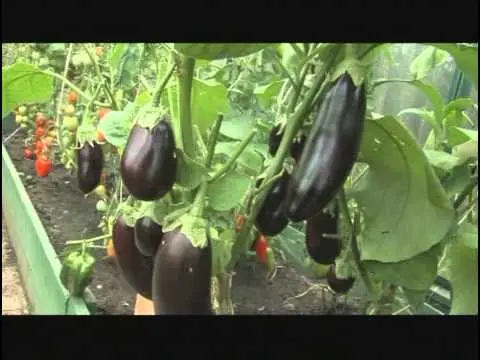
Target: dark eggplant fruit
x=323 y=250
x=90 y=166
x=135 y=268
x=274 y=140
x=338 y=285
x=271 y=218
x=297 y=147
x=148 y=166
x=330 y=150
x=148 y=235
x=181 y=277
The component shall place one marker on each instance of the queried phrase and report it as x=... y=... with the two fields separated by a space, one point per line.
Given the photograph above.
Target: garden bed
x=66 y=215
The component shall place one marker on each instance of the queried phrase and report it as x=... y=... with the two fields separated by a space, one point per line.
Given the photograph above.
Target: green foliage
x=24 y=84
x=190 y=173
x=406 y=185
x=225 y=193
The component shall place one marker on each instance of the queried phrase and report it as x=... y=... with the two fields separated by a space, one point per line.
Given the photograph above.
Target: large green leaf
x=433 y=95
x=417 y=273
x=462 y=271
x=226 y=192
x=116 y=126
x=128 y=64
x=189 y=172
x=24 y=84
x=237 y=127
x=266 y=94
x=442 y=160
x=428 y=60
x=213 y=51
x=466 y=57
x=458 y=105
x=406 y=210
x=208 y=99
x=249 y=158
x=425 y=115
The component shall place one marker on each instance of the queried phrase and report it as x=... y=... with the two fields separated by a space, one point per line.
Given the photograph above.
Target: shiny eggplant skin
x=338 y=285
x=330 y=151
x=182 y=277
x=136 y=269
x=271 y=218
x=90 y=166
x=323 y=250
x=274 y=140
x=148 y=166
x=148 y=235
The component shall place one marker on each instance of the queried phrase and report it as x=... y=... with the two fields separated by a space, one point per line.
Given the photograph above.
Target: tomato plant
x=209 y=148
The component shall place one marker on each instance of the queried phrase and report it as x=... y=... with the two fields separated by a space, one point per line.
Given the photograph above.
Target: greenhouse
x=239 y=178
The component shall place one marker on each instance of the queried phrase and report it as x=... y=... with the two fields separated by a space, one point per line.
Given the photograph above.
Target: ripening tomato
x=41 y=120
x=43 y=166
x=72 y=97
x=39 y=146
x=28 y=154
x=100 y=136
x=261 y=246
x=102 y=112
x=69 y=110
x=48 y=141
x=39 y=132
x=99 y=51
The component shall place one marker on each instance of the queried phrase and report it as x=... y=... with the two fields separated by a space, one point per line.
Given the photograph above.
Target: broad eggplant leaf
x=237 y=127
x=24 y=84
x=406 y=210
x=189 y=172
x=417 y=273
x=208 y=99
x=226 y=192
x=429 y=59
x=466 y=57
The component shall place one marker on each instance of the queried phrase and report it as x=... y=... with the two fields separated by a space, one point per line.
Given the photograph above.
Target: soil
x=67 y=214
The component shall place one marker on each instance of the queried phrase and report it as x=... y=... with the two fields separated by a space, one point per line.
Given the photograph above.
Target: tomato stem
x=212 y=140
x=96 y=238
x=241 y=147
x=100 y=77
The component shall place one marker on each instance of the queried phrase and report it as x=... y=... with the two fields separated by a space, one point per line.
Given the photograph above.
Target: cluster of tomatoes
x=38 y=145
x=69 y=129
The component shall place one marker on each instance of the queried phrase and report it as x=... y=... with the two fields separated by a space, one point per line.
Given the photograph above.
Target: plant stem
x=102 y=80
x=224 y=294
x=161 y=85
x=234 y=158
x=101 y=237
x=354 y=244
x=465 y=192
x=291 y=130
x=58 y=123
x=212 y=141
x=73 y=87
x=185 y=96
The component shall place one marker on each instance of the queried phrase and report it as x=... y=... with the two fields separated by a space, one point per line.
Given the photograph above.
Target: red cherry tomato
x=28 y=154
x=261 y=246
x=102 y=112
x=39 y=132
x=43 y=166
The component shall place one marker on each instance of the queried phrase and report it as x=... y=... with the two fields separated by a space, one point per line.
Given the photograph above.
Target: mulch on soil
x=67 y=214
